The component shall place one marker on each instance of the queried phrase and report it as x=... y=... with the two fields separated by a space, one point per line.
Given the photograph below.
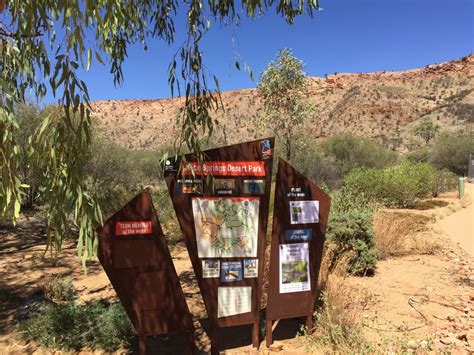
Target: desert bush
x=398 y=186
x=451 y=152
x=60 y=290
x=350 y=229
x=353 y=152
x=309 y=158
x=73 y=326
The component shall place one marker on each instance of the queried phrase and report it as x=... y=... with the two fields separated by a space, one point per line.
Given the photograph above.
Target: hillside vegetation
x=384 y=106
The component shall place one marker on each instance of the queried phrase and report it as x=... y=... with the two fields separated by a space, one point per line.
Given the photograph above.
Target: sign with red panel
x=225 y=168
x=132 y=228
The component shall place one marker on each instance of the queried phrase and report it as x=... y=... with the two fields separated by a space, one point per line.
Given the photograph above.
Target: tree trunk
x=288 y=148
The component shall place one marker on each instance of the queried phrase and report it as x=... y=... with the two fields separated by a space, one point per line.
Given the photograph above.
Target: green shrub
x=353 y=152
x=451 y=152
x=398 y=186
x=73 y=326
x=350 y=228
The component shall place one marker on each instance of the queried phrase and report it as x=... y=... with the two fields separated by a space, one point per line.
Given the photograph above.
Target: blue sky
x=346 y=36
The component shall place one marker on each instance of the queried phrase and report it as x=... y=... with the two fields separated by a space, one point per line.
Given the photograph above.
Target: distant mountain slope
x=380 y=105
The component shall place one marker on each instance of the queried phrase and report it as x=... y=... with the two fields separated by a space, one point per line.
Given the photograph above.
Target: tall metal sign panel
x=222 y=209
x=134 y=255
x=300 y=217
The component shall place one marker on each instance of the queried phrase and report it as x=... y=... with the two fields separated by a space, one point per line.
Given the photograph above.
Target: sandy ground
x=460 y=226
x=415 y=297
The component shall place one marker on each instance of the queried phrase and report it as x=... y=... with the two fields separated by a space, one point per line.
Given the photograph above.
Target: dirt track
x=460 y=225
x=432 y=293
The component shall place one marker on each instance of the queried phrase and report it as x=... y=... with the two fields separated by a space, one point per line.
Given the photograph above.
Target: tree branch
x=21 y=35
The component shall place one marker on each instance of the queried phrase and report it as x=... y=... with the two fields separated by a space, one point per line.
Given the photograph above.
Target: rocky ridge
x=381 y=105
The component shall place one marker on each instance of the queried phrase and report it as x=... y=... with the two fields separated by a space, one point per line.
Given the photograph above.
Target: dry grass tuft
x=403 y=232
x=337 y=327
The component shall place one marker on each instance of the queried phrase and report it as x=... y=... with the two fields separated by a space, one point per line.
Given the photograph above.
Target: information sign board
x=226 y=221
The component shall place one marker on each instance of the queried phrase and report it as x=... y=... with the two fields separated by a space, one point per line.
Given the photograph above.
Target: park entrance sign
x=133 y=252
x=222 y=208
x=300 y=217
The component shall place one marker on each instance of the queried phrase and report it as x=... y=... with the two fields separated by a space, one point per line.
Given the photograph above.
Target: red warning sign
x=132 y=228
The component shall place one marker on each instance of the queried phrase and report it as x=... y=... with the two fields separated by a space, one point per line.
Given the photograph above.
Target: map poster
x=233 y=300
x=303 y=212
x=250 y=268
x=231 y=271
x=226 y=227
x=210 y=268
x=294 y=268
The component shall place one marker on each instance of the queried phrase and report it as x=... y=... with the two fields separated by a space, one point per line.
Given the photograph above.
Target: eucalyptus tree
x=283 y=89
x=45 y=45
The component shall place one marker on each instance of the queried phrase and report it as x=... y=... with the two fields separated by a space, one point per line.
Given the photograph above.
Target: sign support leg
x=191 y=345
x=214 y=340
x=268 y=333
x=141 y=345
x=256 y=334
x=309 y=322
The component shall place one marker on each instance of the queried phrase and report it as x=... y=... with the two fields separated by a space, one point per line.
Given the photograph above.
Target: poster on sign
x=294 y=268
x=303 y=212
x=210 y=268
x=233 y=300
x=226 y=227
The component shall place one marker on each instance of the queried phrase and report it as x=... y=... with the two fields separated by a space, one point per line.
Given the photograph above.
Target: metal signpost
x=222 y=208
x=134 y=255
x=300 y=217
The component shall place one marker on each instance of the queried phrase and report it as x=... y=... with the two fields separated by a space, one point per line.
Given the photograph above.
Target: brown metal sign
x=224 y=221
x=300 y=217
x=134 y=255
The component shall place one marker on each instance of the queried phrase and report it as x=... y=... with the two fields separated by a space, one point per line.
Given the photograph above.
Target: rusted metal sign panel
x=224 y=221
x=300 y=217
x=134 y=255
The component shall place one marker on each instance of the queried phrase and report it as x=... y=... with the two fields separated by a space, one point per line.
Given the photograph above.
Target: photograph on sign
x=189 y=186
x=267 y=150
x=210 y=269
x=303 y=212
x=250 y=268
x=298 y=235
x=226 y=226
x=224 y=186
x=233 y=300
x=231 y=271
x=254 y=187
x=294 y=268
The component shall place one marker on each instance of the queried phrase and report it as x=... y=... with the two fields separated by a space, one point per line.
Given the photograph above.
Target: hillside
x=381 y=105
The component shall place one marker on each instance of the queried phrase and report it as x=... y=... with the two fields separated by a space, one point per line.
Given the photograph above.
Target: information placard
x=234 y=300
x=294 y=268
